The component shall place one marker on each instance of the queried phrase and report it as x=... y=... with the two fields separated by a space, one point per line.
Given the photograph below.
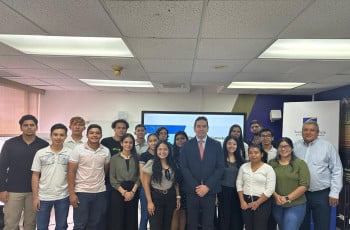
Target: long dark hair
x=157 y=165
x=240 y=140
x=237 y=153
x=133 y=149
x=176 y=149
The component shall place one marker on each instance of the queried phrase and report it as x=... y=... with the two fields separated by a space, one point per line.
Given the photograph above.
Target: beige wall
x=59 y=106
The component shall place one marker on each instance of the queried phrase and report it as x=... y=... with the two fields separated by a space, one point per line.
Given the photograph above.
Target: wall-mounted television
x=174 y=121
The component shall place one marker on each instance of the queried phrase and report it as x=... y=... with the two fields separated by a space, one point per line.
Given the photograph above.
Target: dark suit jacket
x=207 y=171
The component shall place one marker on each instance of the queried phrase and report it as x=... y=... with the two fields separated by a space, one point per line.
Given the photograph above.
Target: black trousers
x=258 y=219
x=230 y=213
x=165 y=205
x=123 y=213
x=197 y=206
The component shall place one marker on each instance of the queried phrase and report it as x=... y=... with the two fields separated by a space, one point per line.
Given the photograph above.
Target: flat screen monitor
x=174 y=121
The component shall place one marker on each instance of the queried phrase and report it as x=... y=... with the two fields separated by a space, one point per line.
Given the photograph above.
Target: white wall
x=60 y=106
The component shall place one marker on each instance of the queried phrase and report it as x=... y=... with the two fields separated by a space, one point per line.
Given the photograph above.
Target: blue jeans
x=144 y=211
x=91 y=211
x=289 y=218
x=317 y=204
x=61 y=214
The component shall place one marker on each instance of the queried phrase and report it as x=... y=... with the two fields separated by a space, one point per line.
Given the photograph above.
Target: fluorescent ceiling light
x=308 y=49
x=264 y=85
x=117 y=83
x=67 y=45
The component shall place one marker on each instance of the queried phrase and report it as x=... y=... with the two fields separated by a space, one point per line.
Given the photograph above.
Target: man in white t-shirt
x=49 y=180
x=87 y=167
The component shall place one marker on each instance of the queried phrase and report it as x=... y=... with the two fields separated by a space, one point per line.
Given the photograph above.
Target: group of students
x=178 y=186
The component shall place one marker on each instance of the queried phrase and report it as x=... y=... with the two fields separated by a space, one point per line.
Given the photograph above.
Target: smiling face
x=127 y=144
x=152 y=142
x=201 y=128
x=266 y=138
x=236 y=132
x=310 y=132
x=58 y=136
x=284 y=149
x=255 y=155
x=162 y=151
x=140 y=132
x=231 y=146
x=94 y=135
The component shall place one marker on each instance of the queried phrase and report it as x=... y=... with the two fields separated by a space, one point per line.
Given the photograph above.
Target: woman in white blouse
x=255 y=184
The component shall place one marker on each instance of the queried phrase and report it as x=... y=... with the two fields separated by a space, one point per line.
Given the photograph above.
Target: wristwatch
x=287 y=199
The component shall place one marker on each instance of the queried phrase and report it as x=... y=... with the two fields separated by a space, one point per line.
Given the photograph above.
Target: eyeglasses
x=284 y=147
x=266 y=136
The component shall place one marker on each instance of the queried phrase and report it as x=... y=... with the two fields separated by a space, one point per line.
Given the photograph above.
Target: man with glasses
x=326 y=174
x=266 y=139
x=270 y=152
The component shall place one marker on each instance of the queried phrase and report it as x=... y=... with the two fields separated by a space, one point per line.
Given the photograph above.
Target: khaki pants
x=17 y=203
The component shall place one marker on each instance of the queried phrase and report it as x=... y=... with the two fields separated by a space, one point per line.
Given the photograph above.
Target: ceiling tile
x=62 y=63
x=23 y=61
x=28 y=81
x=129 y=74
x=107 y=63
x=66 y=17
x=13 y=23
x=92 y=74
x=163 y=48
x=161 y=65
x=170 y=77
x=211 y=77
x=37 y=73
x=231 y=48
x=249 y=19
x=63 y=82
x=323 y=19
x=271 y=66
x=6 y=50
x=219 y=65
x=157 y=19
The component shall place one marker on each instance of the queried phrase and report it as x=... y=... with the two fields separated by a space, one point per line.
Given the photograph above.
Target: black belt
x=249 y=198
x=162 y=191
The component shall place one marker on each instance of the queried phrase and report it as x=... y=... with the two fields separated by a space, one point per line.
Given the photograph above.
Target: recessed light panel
x=308 y=49
x=118 y=83
x=264 y=85
x=67 y=45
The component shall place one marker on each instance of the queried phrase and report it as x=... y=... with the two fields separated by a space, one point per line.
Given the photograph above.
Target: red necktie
x=201 y=148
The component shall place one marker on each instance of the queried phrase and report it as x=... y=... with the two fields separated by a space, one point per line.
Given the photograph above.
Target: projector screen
x=174 y=121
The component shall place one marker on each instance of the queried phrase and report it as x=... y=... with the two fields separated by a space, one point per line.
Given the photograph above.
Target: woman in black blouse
x=230 y=216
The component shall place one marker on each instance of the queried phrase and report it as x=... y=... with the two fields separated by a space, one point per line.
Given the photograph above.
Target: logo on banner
x=307 y=119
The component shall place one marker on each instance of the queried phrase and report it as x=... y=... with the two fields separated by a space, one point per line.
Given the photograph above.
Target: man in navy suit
x=202 y=165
